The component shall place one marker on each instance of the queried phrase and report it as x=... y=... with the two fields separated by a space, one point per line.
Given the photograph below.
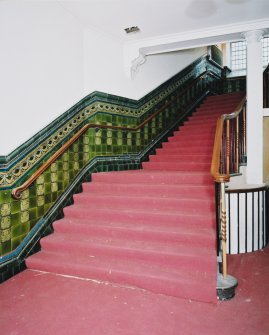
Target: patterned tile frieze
x=92 y=113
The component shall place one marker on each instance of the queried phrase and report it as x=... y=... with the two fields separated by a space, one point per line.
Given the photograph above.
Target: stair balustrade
x=229 y=153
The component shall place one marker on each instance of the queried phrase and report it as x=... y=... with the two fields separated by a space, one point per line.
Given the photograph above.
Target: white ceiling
x=162 y=17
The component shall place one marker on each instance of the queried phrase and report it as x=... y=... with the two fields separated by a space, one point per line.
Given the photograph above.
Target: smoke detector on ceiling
x=130 y=30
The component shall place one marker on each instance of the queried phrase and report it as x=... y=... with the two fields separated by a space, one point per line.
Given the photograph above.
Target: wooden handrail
x=16 y=192
x=222 y=178
x=215 y=163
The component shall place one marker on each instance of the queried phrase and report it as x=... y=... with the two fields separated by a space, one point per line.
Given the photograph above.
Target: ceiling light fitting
x=131 y=29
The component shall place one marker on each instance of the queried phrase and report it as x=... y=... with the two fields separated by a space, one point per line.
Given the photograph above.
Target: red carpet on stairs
x=153 y=228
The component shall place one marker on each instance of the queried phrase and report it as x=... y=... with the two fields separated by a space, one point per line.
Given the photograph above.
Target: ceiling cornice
x=134 y=51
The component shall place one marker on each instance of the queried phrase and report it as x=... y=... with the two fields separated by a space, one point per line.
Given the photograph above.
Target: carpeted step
x=186 y=135
x=185 y=151
x=186 y=190
x=162 y=232
x=163 y=157
x=176 y=166
x=138 y=217
x=191 y=141
x=159 y=279
x=143 y=203
x=203 y=144
x=172 y=254
x=149 y=177
x=205 y=123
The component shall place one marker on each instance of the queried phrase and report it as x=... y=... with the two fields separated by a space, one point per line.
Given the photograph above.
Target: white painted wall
x=41 y=66
x=48 y=62
x=104 y=67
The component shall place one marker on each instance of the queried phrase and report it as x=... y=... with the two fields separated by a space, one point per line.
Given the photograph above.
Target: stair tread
x=141 y=227
x=156 y=247
x=141 y=197
x=184 y=186
x=168 y=212
x=164 y=190
x=133 y=267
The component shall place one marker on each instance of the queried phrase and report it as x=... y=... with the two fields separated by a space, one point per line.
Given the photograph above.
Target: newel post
x=226 y=284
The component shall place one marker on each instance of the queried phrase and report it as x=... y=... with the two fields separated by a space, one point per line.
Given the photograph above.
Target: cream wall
x=41 y=62
x=49 y=61
x=104 y=67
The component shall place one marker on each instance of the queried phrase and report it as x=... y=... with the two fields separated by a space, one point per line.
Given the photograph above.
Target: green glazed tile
x=5 y=196
x=16 y=230
x=32 y=214
x=15 y=206
x=15 y=219
x=6 y=247
x=15 y=242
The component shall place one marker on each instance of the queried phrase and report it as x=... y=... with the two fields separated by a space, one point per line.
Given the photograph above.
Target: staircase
x=152 y=228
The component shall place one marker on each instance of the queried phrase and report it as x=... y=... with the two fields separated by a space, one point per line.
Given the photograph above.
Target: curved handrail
x=215 y=163
x=16 y=192
x=222 y=178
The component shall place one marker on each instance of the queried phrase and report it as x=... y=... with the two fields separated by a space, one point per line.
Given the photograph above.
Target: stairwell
x=152 y=228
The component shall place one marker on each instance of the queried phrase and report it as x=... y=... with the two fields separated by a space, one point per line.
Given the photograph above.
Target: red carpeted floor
x=154 y=228
x=34 y=303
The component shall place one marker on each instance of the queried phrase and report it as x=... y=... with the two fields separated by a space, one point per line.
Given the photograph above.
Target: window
x=239 y=54
x=265 y=51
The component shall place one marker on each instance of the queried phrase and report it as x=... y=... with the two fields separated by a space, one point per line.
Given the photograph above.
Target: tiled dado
x=19 y=217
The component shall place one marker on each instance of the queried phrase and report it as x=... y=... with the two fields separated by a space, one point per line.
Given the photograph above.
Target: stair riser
x=205 y=167
x=183 y=151
x=204 y=118
x=125 y=233
x=149 y=190
x=189 y=135
x=180 y=158
x=125 y=203
x=153 y=178
x=136 y=218
x=222 y=101
x=204 y=123
x=212 y=108
x=191 y=141
x=198 y=127
x=189 y=144
x=197 y=131
x=169 y=260
x=160 y=286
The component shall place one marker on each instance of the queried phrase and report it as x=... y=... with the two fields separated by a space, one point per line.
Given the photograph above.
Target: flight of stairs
x=152 y=228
